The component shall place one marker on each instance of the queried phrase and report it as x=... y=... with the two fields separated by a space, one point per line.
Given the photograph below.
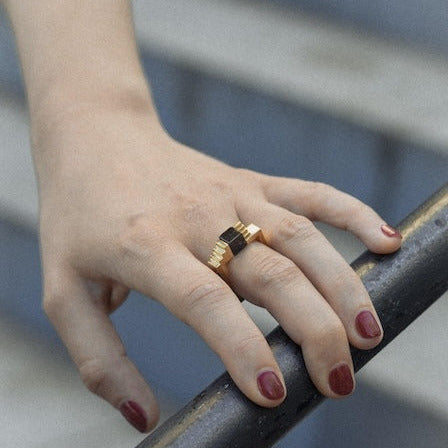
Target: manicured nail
x=341 y=380
x=391 y=232
x=367 y=325
x=270 y=386
x=134 y=414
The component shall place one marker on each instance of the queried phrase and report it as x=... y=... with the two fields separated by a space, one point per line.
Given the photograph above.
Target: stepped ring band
x=231 y=243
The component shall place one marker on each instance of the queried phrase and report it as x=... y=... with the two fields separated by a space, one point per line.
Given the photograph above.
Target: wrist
x=77 y=56
x=62 y=104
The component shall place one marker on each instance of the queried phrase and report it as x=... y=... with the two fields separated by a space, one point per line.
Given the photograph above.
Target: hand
x=123 y=206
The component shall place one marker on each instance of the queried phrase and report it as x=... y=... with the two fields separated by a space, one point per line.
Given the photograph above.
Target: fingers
x=98 y=351
x=296 y=238
x=273 y=281
x=321 y=202
x=311 y=291
x=200 y=298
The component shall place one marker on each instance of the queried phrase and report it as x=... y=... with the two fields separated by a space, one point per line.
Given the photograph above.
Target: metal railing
x=401 y=285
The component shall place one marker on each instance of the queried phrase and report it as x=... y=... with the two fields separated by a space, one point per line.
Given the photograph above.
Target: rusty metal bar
x=402 y=286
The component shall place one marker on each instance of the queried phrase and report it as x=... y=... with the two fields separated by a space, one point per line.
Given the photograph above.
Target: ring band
x=232 y=242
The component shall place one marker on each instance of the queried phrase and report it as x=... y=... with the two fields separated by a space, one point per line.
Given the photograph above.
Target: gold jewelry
x=231 y=243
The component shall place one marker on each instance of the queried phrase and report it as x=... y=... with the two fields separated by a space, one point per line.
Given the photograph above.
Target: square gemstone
x=234 y=239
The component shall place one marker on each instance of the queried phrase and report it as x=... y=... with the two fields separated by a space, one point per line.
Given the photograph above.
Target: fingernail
x=270 y=386
x=341 y=380
x=390 y=231
x=367 y=325
x=134 y=414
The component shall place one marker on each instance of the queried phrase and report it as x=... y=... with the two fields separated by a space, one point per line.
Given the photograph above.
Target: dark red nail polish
x=270 y=386
x=367 y=325
x=134 y=414
x=390 y=231
x=341 y=380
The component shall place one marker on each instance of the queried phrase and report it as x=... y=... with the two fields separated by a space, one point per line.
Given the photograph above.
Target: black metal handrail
x=401 y=285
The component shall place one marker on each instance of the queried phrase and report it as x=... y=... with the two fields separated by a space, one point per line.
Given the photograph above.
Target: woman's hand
x=123 y=206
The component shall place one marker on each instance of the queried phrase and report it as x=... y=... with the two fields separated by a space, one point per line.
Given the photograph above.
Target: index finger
x=321 y=202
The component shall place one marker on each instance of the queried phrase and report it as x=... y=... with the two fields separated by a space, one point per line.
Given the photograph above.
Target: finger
x=98 y=351
x=273 y=281
x=118 y=296
x=321 y=202
x=200 y=298
x=298 y=239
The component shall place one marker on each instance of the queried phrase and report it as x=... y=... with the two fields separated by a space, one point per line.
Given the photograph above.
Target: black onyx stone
x=234 y=239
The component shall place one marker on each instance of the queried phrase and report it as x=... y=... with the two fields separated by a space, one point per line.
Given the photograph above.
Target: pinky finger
x=98 y=352
x=321 y=202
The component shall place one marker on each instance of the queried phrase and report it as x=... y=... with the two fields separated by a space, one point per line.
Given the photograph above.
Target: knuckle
x=202 y=298
x=51 y=303
x=293 y=227
x=331 y=333
x=138 y=238
x=252 y=177
x=358 y=209
x=273 y=270
x=248 y=345
x=93 y=375
x=195 y=212
x=320 y=187
x=345 y=283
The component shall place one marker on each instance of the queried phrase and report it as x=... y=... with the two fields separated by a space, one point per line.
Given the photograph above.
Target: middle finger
x=297 y=238
x=273 y=281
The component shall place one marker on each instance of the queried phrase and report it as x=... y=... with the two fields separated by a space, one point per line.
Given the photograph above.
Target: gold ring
x=232 y=242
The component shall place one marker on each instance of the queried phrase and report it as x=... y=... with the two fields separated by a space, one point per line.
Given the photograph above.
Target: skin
x=124 y=206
